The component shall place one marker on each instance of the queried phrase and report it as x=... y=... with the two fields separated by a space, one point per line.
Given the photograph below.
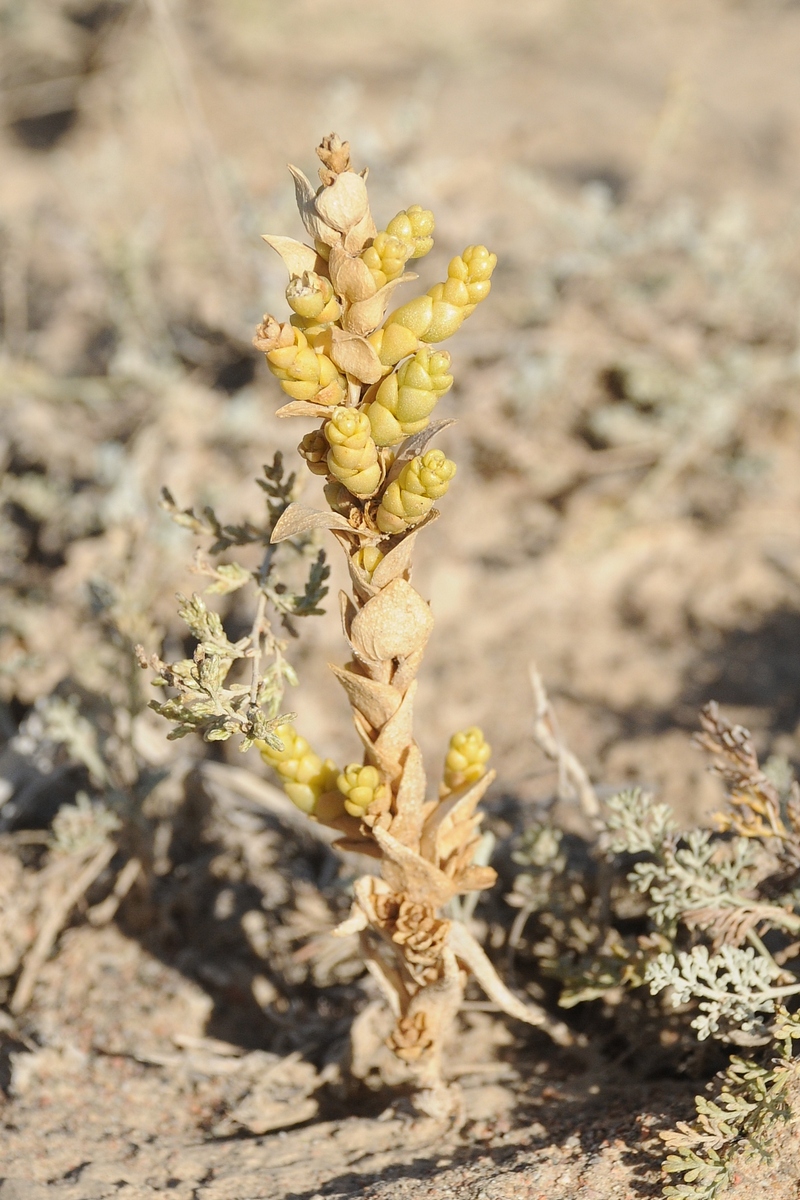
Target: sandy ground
x=624 y=515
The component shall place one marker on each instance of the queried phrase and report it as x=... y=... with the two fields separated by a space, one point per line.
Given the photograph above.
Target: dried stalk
x=573 y=779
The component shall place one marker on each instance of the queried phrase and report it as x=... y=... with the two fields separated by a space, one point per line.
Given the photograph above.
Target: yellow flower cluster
x=410 y=496
x=361 y=787
x=405 y=399
x=466 y=758
x=353 y=456
x=304 y=775
x=305 y=371
x=408 y=235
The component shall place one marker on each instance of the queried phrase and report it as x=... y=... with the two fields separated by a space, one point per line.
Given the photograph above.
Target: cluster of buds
x=404 y=400
x=408 y=235
x=373 y=381
x=467 y=756
x=305 y=371
x=353 y=455
x=410 y=496
x=441 y=311
x=366 y=793
x=304 y=775
x=311 y=299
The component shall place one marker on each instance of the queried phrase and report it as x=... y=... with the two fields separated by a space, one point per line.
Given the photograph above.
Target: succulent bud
x=361 y=788
x=393 y=343
x=438 y=315
x=466 y=758
x=311 y=296
x=305 y=372
x=406 y=236
x=353 y=455
x=405 y=400
x=305 y=776
x=414 y=224
x=367 y=558
x=410 y=496
x=386 y=257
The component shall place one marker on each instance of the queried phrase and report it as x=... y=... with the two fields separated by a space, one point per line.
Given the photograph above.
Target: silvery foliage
x=688 y=872
x=636 y=824
x=207 y=701
x=732 y=986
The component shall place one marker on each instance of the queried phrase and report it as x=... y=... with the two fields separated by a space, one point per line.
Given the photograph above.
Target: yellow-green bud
x=414 y=224
x=405 y=400
x=406 y=236
x=367 y=558
x=353 y=455
x=410 y=496
x=438 y=315
x=387 y=256
x=392 y=343
x=466 y=758
x=361 y=787
x=305 y=372
x=311 y=297
x=304 y=775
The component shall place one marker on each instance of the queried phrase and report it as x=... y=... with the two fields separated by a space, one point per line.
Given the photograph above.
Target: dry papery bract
x=370 y=381
x=716 y=951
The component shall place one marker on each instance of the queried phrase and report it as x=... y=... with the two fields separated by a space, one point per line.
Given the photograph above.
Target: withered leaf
x=304 y=408
x=350 y=276
x=407 y=824
x=344 y=203
x=298 y=519
x=355 y=356
x=405 y=871
x=397 y=562
x=417 y=444
x=451 y=811
x=395 y=623
x=377 y=701
x=389 y=747
x=305 y=197
x=472 y=955
x=364 y=316
x=296 y=256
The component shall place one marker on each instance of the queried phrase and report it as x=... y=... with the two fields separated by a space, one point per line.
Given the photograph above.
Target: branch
x=573 y=779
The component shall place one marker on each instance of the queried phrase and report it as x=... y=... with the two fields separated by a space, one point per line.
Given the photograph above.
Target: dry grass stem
x=573 y=779
x=54 y=922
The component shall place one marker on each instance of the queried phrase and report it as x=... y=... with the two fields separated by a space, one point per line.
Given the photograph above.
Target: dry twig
x=573 y=779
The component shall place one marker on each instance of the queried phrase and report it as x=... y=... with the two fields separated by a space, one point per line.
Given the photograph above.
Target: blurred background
x=628 y=433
